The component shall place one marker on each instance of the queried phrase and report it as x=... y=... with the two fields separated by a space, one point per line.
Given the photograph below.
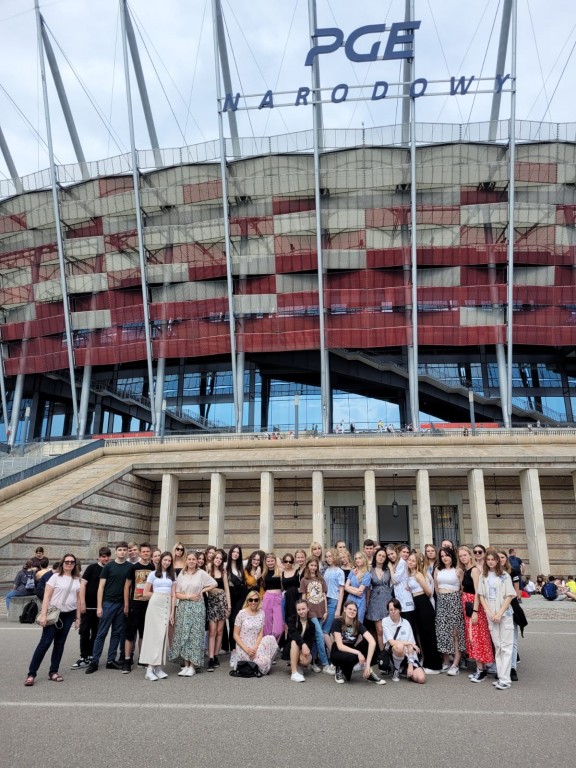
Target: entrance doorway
x=344 y=526
x=393 y=524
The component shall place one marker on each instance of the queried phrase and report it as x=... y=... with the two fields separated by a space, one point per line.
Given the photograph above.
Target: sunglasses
x=69 y=562
x=253 y=600
x=288 y=562
x=478 y=551
x=179 y=549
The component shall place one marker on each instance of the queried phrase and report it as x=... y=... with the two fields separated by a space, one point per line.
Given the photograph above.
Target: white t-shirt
x=389 y=628
x=60 y=585
x=161 y=585
x=400 y=581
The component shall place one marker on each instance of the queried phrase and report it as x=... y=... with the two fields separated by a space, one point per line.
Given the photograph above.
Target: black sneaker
x=126 y=667
x=216 y=662
x=211 y=665
x=339 y=676
x=113 y=665
x=478 y=676
x=80 y=664
x=375 y=679
x=92 y=667
x=513 y=675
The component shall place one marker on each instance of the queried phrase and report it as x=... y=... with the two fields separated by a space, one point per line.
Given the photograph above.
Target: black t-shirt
x=92 y=578
x=115 y=575
x=137 y=581
x=349 y=635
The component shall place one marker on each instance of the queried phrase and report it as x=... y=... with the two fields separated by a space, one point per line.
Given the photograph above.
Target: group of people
x=402 y=612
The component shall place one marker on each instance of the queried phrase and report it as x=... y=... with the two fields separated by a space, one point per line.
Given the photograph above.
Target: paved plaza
x=215 y=720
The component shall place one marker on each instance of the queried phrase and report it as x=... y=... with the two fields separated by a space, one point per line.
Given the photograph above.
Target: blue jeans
x=53 y=634
x=332 y=605
x=320 y=646
x=17 y=593
x=112 y=616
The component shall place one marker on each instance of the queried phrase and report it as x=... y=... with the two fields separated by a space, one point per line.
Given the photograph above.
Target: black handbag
x=246 y=669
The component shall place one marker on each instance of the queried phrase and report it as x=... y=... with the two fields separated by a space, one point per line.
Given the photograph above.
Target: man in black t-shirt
x=111 y=608
x=137 y=603
x=89 y=619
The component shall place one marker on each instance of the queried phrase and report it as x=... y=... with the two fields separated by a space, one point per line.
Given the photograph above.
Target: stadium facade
x=246 y=329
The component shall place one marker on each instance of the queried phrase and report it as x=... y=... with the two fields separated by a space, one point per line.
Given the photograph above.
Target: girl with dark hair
x=23 y=583
x=313 y=590
x=496 y=592
x=253 y=572
x=400 y=640
x=450 y=632
x=424 y=612
x=218 y=608
x=188 y=643
x=160 y=590
x=298 y=647
x=237 y=587
x=290 y=582
x=201 y=557
x=478 y=642
x=380 y=593
x=352 y=645
x=251 y=643
x=62 y=590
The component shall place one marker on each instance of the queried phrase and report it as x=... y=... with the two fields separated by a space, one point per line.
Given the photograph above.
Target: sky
x=268 y=43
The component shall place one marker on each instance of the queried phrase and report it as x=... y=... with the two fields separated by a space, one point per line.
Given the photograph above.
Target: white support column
x=318 y=508
x=534 y=521
x=478 y=514
x=217 y=509
x=370 y=505
x=424 y=509
x=267 y=511
x=168 y=510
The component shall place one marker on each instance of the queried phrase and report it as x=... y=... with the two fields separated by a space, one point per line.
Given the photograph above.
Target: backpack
x=29 y=613
x=550 y=591
x=30 y=581
x=246 y=669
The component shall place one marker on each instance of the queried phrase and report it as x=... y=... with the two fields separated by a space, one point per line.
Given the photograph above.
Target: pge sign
x=400 y=43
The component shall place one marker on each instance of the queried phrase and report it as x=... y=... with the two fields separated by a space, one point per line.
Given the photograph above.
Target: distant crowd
x=382 y=611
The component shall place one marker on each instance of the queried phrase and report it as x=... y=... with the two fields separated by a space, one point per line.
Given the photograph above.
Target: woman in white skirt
x=161 y=589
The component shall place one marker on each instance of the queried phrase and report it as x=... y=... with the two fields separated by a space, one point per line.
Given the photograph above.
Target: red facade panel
x=203 y=191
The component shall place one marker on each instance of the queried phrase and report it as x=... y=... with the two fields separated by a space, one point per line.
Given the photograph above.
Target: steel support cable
x=474 y=34
x=141 y=31
x=444 y=57
x=354 y=72
x=282 y=60
x=537 y=56
x=253 y=57
x=100 y=112
x=188 y=104
x=484 y=61
x=558 y=83
x=227 y=32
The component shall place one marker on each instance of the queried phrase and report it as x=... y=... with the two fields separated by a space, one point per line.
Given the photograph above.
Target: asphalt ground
x=215 y=720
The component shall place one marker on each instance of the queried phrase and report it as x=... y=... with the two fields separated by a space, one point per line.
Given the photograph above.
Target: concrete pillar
x=534 y=521
x=84 y=401
x=16 y=404
x=168 y=510
x=370 y=505
x=217 y=509
x=318 y=508
x=424 y=509
x=267 y=511
x=478 y=514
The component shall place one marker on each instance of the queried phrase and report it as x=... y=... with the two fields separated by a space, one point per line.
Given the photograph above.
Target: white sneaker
x=431 y=671
x=358 y=667
x=500 y=686
x=160 y=674
x=296 y=677
x=190 y=671
x=329 y=669
x=315 y=668
x=183 y=672
x=445 y=667
x=453 y=671
x=150 y=675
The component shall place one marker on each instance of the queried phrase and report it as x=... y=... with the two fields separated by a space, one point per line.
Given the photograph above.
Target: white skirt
x=155 y=638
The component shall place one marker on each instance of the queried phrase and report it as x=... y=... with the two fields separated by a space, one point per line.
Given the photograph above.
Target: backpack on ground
x=29 y=613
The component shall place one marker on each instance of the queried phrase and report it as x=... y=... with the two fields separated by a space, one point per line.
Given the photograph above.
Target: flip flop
x=56 y=678
x=29 y=681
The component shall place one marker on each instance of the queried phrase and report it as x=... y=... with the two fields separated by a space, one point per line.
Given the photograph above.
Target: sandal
x=56 y=678
x=30 y=680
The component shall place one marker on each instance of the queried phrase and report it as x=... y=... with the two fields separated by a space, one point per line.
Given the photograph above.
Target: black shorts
x=135 y=621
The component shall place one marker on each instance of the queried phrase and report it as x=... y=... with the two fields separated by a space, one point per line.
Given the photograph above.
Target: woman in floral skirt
x=251 y=643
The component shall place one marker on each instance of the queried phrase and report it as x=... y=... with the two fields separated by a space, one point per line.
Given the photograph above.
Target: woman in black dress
x=237 y=587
